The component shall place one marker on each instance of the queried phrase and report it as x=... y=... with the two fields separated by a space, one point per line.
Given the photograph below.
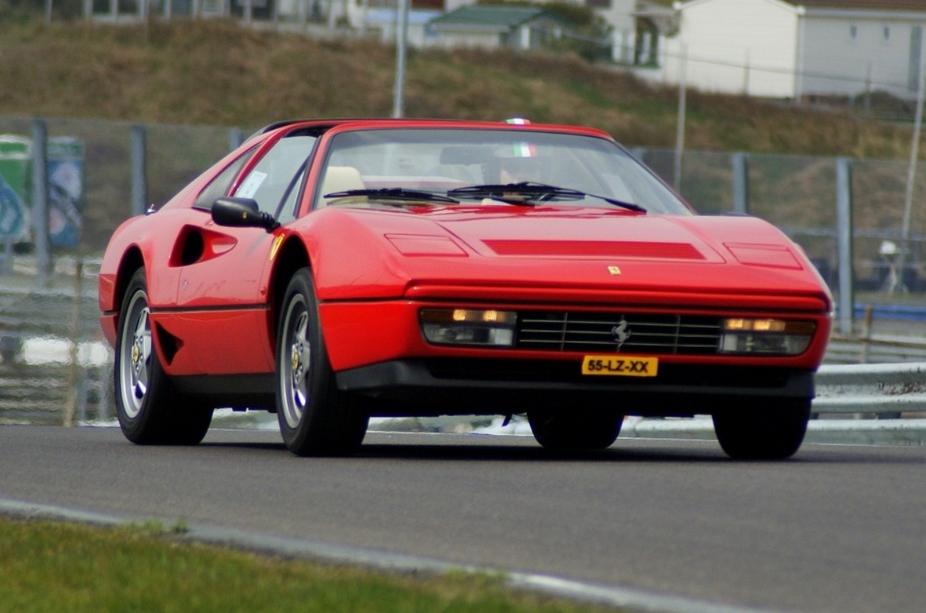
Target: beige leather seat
x=342 y=179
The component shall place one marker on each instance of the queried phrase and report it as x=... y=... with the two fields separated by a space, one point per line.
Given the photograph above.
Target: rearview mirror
x=464 y=155
x=241 y=213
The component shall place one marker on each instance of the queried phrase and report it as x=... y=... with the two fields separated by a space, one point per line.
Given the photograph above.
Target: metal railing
x=885 y=390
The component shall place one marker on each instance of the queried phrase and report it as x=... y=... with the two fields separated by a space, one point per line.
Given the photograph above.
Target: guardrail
x=867 y=348
x=887 y=390
x=51 y=367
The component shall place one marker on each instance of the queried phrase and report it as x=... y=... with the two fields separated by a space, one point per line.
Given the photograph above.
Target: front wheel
x=316 y=418
x=578 y=430
x=768 y=429
x=150 y=412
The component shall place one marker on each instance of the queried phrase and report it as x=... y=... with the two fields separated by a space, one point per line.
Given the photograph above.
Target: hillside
x=218 y=73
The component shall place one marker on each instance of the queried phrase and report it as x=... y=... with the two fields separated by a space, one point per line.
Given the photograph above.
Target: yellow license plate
x=623 y=366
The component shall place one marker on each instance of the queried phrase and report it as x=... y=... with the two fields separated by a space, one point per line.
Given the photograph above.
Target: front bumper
x=440 y=386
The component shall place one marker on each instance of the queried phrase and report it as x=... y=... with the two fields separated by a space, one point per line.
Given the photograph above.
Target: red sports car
x=334 y=270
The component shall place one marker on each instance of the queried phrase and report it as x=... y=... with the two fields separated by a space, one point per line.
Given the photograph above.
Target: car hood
x=594 y=252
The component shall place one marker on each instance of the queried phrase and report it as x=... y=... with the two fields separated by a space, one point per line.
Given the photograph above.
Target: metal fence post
x=139 y=165
x=40 y=200
x=235 y=138
x=844 y=243
x=74 y=383
x=741 y=183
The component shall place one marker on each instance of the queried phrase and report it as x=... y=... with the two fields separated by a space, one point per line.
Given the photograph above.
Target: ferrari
x=330 y=271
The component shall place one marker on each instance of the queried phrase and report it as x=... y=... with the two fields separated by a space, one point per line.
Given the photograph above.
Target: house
x=795 y=48
x=650 y=23
x=636 y=26
x=385 y=21
x=494 y=26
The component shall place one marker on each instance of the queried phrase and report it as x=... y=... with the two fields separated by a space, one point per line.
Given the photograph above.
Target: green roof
x=488 y=16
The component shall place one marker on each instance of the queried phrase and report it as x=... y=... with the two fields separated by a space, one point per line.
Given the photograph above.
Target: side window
x=220 y=185
x=276 y=174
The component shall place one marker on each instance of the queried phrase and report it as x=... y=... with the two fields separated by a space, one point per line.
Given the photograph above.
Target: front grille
x=613 y=332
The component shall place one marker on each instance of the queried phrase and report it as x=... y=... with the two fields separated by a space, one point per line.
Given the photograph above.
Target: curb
x=632 y=599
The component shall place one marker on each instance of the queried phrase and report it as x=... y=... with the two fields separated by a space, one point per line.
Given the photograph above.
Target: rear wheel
x=580 y=430
x=316 y=418
x=769 y=429
x=150 y=412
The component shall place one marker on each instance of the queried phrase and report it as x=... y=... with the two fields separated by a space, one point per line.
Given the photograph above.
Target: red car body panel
x=449 y=259
x=225 y=342
x=212 y=288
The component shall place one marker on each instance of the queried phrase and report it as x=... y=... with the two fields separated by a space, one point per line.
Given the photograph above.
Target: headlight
x=469 y=327
x=766 y=336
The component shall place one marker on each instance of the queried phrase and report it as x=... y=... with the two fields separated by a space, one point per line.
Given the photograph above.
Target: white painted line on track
x=629 y=599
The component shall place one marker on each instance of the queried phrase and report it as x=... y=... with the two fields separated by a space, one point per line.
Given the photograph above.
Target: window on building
x=886 y=33
x=853 y=31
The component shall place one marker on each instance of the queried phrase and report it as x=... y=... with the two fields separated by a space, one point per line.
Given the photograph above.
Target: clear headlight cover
x=485 y=328
x=766 y=336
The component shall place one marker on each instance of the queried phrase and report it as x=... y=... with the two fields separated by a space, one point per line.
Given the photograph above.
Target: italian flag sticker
x=525 y=150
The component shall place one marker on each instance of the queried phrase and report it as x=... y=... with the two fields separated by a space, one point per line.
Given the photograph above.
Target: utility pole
x=680 y=134
x=911 y=179
x=401 y=44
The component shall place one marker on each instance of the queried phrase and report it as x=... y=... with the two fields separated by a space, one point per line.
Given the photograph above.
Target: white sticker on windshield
x=251 y=185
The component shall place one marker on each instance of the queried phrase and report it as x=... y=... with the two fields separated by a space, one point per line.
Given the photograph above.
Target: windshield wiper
x=393 y=194
x=527 y=193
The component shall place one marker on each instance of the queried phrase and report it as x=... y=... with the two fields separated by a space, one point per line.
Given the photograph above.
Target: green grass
x=54 y=566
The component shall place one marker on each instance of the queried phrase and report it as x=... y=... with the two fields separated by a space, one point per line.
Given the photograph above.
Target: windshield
x=384 y=164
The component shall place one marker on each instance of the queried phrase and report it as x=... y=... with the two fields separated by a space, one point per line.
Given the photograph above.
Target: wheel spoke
x=299 y=366
x=135 y=356
x=141 y=355
x=300 y=351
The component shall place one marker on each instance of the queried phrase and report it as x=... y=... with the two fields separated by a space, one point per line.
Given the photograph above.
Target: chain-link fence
x=175 y=156
x=54 y=365
x=799 y=195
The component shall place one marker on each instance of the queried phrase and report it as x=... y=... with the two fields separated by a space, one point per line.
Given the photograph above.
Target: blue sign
x=12 y=216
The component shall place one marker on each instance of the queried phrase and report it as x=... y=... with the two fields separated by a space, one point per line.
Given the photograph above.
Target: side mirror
x=241 y=213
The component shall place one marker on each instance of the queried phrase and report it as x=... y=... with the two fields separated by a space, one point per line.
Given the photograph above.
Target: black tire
x=150 y=412
x=316 y=418
x=768 y=429
x=577 y=430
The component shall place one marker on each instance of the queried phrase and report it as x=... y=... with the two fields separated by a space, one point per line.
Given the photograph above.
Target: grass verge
x=218 y=73
x=59 y=566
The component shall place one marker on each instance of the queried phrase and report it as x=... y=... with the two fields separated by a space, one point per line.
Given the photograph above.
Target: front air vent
x=188 y=248
x=169 y=343
x=588 y=248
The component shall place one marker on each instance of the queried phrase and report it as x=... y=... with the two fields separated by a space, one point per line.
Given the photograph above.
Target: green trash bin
x=15 y=180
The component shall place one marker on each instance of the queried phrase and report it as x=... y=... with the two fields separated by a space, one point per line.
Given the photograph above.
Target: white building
x=795 y=48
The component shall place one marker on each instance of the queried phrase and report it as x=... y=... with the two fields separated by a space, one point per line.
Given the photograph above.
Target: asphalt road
x=836 y=529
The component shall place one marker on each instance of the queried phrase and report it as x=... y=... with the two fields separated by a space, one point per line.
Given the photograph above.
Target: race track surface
x=837 y=529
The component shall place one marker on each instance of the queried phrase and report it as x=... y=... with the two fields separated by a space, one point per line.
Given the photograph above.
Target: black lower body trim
x=229 y=391
x=491 y=387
